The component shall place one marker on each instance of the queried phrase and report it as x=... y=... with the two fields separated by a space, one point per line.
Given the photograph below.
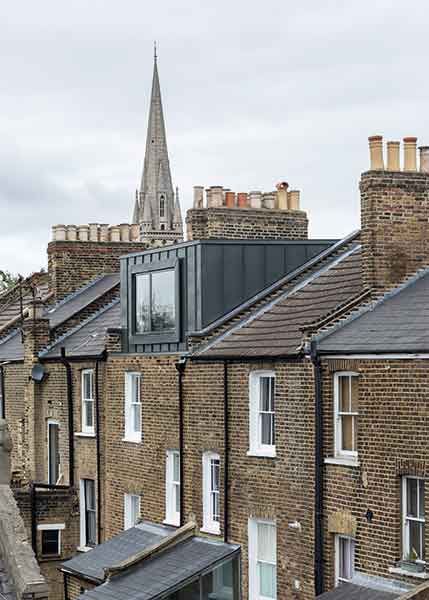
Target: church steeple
x=156 y=187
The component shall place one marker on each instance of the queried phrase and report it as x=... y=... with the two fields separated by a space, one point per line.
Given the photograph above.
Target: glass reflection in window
x=155 y=302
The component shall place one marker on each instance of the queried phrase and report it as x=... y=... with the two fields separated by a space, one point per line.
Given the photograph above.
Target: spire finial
x=155 y=56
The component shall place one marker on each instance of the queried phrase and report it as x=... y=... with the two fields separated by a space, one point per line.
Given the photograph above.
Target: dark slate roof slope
x=92 y=564
x=276 y=328
x=11 y=347
x=165 y=572
x=82 y=298
x=88 y=338
x=350 y=591
x=398 y=322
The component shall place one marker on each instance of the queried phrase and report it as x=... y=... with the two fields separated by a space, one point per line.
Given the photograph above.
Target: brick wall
x=280 y=488
x=392 y=441
x=246 y=223
x=395 y=232
x=72 y=264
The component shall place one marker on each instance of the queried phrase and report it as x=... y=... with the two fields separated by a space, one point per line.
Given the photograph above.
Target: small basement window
x=51 y=539
x=155 y=294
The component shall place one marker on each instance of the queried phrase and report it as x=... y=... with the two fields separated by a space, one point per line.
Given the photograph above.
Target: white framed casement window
x=262 y=414
x=344 y=558
x=413 y=518
x=131 y=510
x=50 y=538
x=346 y=405
x=211 y=492
x=262 y=542
x=172 y=488
x=87 y=390
x=133 y=413
x=88 y=535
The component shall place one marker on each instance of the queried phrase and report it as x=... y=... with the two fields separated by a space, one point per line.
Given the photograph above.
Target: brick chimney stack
x=394 y=213
x=246 y=215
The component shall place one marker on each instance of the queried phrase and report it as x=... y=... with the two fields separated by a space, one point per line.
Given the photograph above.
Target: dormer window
x=155 y=302
x=162 y=206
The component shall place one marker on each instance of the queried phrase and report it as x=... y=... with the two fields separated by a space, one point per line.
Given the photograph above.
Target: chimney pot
x=255 y=199
x=424 y=159
x=115 y=233
x=293 y=199
x=410 y=157
x=376 y=152
x=242 y=200
x=282 y=203
x=198 y=196
x=135 y=232
x=104 y=232
x=83 y=232
x=125 y=232
x=93 y=232
x=393 y=163
x=216 y=196
x=230 y=199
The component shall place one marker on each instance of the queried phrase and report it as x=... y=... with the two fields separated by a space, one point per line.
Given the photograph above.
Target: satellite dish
x=38 y=373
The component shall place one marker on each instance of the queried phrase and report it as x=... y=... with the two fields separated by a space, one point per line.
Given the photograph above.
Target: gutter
x=69 y=379
x=318 y=472
x=181 y=366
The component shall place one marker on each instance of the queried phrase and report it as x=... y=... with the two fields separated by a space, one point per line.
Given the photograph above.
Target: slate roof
x=88 y=338
x=10 y=304
x=92 y=564
x=276 y=328
x=11 y=347
x=398 y=322
x=82 y=298
x=350 y=591
x=165 y=572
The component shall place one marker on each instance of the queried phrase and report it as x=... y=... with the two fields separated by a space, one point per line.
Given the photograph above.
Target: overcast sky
x=253 y=93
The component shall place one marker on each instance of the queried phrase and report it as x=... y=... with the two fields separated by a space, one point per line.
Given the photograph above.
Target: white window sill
x=85 y=434
x=262 y=453
x=342 y=461
x=132 y=440
x=172 y=522
x=84 y=548
x=211 y=530
x=400 y=571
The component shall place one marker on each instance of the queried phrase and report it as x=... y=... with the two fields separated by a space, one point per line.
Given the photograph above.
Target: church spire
x=156 y=188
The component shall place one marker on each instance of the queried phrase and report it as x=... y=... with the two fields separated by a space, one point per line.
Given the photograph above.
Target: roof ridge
x=273 y=287
x=372 y=305
x=286 y=294
x=78 y=327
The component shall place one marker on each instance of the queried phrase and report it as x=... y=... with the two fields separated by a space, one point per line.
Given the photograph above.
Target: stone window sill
x=171 y=522
x=131 y=441
x=84 y=434
x=262 y=453
x=83 y=548
x=344 y=462
x=210 y=530
x=404 y=572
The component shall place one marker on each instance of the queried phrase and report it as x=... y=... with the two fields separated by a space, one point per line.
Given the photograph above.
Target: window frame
x=130 y=435
x=256 y=447
x=407 y=519
x=84 y=510
x=171 y=336
x=85 y=427
x=210 y=524
x=352 y=552
x=338 y=451
x=50 y=527
x=172 y=488
x=254 y=582
x=128 y=499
